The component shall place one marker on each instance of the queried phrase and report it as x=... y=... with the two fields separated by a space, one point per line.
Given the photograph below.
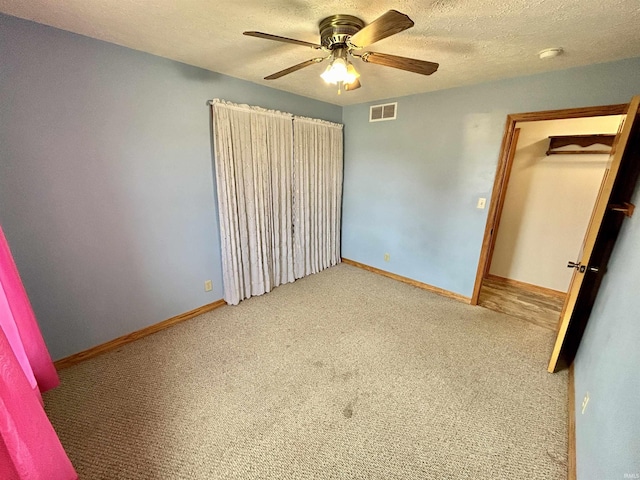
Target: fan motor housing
x=336 y=29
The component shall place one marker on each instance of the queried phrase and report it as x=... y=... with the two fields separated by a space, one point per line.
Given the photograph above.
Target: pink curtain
x=29 y=447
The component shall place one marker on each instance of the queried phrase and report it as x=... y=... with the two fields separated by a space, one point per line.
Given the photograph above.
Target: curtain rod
x=269 y=111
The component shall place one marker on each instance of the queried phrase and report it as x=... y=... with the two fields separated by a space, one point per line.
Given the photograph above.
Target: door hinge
x=625 y=207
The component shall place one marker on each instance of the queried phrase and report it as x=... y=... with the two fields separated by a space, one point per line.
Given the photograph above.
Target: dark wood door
x=611 y=208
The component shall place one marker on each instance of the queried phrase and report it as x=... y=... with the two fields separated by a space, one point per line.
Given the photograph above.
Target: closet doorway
x=550 y=171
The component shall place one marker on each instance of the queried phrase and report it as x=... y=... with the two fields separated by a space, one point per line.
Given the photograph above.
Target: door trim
x=511 y=153
x=504 y=167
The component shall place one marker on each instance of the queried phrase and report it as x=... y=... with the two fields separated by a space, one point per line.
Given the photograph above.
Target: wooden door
x=612 y=204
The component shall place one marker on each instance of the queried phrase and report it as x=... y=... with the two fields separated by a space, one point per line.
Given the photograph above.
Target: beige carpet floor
x=343 y=374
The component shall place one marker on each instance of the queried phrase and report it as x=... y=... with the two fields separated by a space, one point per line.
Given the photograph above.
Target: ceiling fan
x=344 y=36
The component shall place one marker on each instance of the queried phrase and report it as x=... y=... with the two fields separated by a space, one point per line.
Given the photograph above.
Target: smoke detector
x=550 y=52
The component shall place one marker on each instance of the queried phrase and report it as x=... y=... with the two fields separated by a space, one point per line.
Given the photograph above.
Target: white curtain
x=253 y=160
x=279 y=180
x=317 y=199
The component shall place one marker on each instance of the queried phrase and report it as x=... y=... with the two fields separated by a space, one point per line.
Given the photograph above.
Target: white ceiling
x=473 y=40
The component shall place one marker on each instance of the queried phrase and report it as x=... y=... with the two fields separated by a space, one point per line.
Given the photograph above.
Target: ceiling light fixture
x=550 y=52
x=340 y=71
x=345 y=36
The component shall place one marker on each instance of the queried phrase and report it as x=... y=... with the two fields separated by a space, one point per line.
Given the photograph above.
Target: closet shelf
x=583 y=141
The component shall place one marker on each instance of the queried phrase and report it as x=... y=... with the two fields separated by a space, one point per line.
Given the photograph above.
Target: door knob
x=577 y=266
x=594 y=269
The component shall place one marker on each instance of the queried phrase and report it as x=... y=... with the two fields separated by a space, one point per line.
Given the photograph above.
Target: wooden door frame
x=505 y=162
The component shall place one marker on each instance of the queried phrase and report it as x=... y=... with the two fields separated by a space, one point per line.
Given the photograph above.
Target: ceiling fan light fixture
x=336 y=72
x=340 y=71
x=352 y=74
x=340 y=35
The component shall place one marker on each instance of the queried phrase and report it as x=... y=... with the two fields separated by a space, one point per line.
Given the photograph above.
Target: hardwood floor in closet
x=528 y=304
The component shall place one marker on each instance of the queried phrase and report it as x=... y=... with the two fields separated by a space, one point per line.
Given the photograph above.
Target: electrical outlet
x=208 y=285
x=482 y=202
x=585 y=401
x=387 y=257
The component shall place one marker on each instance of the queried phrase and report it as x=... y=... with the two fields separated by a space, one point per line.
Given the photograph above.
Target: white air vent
x=379 y=113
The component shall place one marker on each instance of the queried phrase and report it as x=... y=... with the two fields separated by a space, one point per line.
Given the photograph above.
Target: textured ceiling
x=473 y=40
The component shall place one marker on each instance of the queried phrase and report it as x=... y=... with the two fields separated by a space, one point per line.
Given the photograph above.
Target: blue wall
x=106 y=182
x=608 y=367
x=411 y=185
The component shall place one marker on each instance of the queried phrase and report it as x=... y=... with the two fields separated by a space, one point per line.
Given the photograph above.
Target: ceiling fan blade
x=268 y=36
x=384 y=26
x=403 y=63
x=294 y=68
x=353 y=85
